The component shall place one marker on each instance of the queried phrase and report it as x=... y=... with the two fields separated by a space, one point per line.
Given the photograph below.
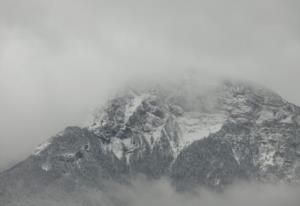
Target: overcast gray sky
x=59 y=59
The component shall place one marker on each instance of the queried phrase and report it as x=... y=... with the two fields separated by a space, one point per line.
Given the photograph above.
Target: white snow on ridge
x=46 y=167
x=98 y=122
x=266 y=159
x=42 y=147
x=193 y=126
x=197 y=128
x=133 y=105
x=154 y=136
x=116 y=147
x=236 y=156
x=265 y=116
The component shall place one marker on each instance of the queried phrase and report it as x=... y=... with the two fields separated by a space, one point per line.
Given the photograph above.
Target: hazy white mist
x=60 y=59
x=161 y=192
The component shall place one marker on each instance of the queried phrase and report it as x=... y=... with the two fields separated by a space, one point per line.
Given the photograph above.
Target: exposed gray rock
x=233 y=131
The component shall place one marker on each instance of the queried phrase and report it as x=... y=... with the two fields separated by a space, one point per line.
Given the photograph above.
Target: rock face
x=209 y=138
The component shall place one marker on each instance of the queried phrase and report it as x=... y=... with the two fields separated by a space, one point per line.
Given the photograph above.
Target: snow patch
x=266 y=156
x=69 y=155
x=265 y=116
x=236 y=157
x=154 y=136
x=46 y=166
x=198 y=127
x=115 y=147
x=98 y=122
x=41 y=147
x=133 y=105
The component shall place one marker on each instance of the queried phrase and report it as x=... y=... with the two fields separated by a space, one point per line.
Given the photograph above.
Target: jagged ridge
x=210 y=138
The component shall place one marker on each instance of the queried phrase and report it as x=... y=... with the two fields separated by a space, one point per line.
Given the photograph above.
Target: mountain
x=193 y=135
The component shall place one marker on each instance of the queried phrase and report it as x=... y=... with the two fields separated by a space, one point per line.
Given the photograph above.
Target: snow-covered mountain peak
x=196 y=135
x=183 y=114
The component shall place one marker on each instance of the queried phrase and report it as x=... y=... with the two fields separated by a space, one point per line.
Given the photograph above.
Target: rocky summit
x=194 y=136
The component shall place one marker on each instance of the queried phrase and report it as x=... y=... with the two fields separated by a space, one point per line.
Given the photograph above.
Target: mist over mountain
x=193 y=134
x=160 y=192
x=60 y=59
x=149 y=102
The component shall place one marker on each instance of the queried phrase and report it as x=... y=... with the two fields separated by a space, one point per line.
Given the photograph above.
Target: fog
x=160 y=192
x=60 y=59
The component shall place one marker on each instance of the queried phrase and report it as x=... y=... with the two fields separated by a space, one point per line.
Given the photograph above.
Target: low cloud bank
x=151 y=193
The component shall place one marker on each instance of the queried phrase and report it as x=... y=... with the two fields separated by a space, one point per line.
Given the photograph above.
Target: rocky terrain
x=213 y=137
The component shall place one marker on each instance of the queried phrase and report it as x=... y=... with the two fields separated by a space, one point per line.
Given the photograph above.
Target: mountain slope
x=196 y=137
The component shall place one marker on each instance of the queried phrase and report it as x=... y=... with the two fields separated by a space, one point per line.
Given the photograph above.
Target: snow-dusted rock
x=232 y=131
